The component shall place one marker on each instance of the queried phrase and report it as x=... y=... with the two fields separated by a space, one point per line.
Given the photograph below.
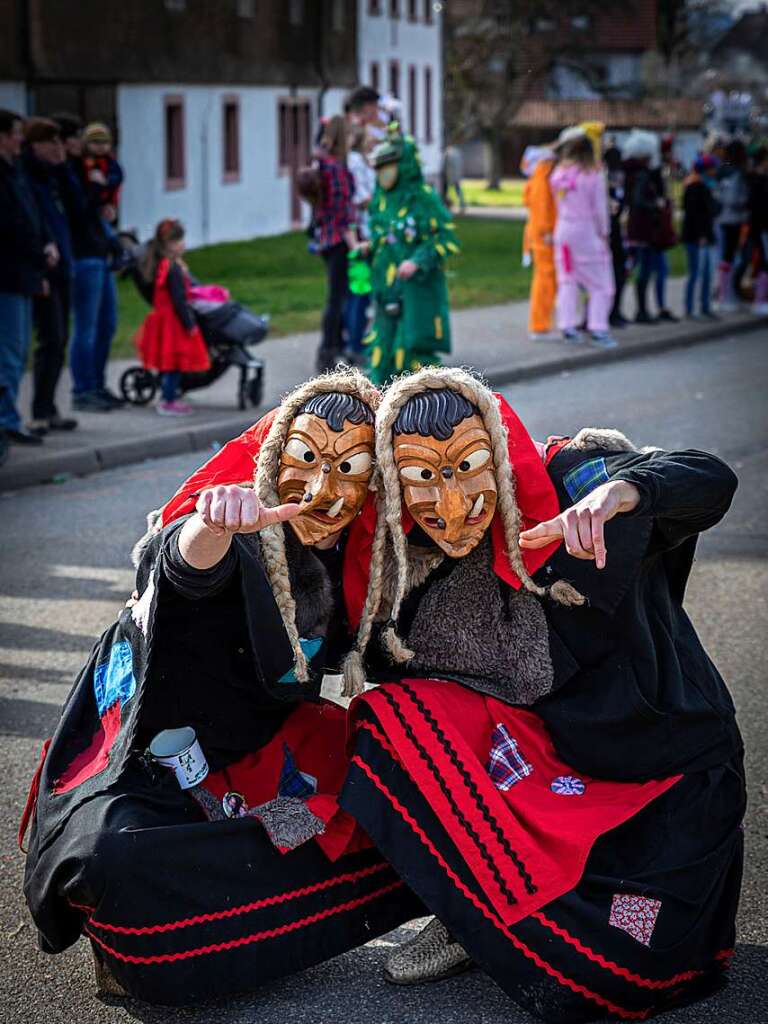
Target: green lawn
x=510 y=193
x=277 y=275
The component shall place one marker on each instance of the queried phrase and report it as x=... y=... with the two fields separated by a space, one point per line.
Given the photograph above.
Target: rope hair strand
x=272 y=538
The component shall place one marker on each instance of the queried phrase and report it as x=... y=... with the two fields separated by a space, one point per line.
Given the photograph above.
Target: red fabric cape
x=535 y=493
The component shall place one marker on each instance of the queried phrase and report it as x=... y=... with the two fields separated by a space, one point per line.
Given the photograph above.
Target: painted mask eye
x=417 y=474
x=475 y=461
x=298 y=450
x=356 y=464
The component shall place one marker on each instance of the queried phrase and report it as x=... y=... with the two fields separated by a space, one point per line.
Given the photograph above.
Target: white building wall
x=13 y=96
x=211 y=209
x=383 y=39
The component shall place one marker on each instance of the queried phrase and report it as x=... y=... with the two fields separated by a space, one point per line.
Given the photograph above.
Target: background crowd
x=598 y=216
x=59 y=190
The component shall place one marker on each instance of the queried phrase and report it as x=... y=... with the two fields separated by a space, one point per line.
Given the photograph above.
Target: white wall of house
x=384 y=40
x=212 y=209
x=13 y=96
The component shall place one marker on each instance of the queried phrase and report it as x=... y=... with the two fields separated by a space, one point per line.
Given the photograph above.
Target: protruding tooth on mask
x=477 y=508
x=335 y=508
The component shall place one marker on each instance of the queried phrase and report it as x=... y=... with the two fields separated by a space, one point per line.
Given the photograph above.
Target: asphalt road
x=64 y=573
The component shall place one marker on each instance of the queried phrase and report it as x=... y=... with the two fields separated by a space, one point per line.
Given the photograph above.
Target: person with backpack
x=169 y=340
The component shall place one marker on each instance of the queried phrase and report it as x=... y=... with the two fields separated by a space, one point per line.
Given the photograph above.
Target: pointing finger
x=279 y=514
x=598 y=541
x=542 y=534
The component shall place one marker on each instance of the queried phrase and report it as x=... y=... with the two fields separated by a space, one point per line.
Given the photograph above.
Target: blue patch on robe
x=310 y=648
x=114 y=680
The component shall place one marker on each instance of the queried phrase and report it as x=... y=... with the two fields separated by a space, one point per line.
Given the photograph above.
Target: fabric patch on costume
x=310 y=648
x=506 y=765
x=294 y=783
x=567 y=785
x=635 y=915
x=113 y=680
x=288 y=821
x=585 y=477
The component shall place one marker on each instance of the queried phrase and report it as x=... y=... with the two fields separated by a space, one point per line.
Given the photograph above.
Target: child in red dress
x=169 y=341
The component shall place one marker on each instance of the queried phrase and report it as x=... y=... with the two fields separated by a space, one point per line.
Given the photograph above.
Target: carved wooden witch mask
x=444 y=458
x=326 y=464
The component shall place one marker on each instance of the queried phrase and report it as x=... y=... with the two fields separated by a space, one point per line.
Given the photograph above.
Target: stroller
x=229 y=330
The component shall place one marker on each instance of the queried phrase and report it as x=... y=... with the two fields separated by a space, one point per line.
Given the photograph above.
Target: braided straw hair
x=397 y=395
x=272 y=538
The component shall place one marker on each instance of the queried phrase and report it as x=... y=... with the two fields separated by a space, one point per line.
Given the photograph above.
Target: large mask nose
x=453 y=508
x=319 y=487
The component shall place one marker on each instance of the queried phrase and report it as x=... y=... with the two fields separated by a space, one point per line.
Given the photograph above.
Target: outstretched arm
x=222 y=512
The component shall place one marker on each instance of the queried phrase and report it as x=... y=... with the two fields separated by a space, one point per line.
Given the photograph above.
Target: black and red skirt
x=582 y=898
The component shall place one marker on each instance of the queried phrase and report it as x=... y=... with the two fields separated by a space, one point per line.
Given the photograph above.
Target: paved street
x=65 y=573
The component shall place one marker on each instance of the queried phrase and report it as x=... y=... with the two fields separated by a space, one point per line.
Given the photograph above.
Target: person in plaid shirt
x=335 y=234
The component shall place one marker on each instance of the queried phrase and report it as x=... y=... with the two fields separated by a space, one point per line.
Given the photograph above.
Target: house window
x=394 y=8
x=176 y=6
x=296 y=12
x=394 y=78
x=413 y=10
x=175 y=169
x=374 y=7
x=246 y=8
x=412 y=98
x=230 y=118
x=580 y=22
x=428 y=11
x=375 y=75
x=543 y=24
x=428 y=105
x=337 y=15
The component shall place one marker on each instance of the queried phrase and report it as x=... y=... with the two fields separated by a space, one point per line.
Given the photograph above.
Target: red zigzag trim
x=220 y=947
x=245 y=908
x=562 y=979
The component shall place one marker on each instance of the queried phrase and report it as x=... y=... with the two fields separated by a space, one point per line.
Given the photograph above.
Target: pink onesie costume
x=582 y=255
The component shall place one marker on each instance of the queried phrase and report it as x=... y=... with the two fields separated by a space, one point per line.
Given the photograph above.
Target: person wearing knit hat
x=238 y=612
x=535 y=760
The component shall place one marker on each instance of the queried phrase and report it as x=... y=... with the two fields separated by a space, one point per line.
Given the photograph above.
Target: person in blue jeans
x=26 y=253
x=700 y=209
x=94 y=296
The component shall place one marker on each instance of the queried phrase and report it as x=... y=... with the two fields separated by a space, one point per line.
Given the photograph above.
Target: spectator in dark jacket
x=102 y=174
x=94 y=296
x=42 y=159
x=732 y=220
x=26 y=253
x=700 y=208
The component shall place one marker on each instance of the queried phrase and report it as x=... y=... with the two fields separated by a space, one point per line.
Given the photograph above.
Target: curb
x=176 y=442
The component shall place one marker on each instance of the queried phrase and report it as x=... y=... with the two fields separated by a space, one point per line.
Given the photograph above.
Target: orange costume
x=540 y=226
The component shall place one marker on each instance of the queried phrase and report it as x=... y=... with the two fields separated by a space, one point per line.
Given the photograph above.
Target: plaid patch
x=506 y=765
x=293 y=782
x=584 y=478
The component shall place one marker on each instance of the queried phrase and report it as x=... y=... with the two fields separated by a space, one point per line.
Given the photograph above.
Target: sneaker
x=109 y=396
x=57 y=422
x=664 y=314
x=542 y=335
x=175 y=408
x=22 y=436
x=618 y=320
x=39 y=427
x=645 y=318
x=431 y=955
x=91 y=401
x=572 y=337
x=727 y=306
x=602 y=339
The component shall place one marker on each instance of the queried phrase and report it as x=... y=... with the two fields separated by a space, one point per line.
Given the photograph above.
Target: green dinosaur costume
x=407 y=222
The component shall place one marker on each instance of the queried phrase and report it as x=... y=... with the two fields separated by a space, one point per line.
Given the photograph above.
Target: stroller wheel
x=256 y=389
x=138 y=386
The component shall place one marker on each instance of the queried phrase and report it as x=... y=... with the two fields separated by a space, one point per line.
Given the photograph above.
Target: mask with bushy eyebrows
x=326 y=464
x=444 y=459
